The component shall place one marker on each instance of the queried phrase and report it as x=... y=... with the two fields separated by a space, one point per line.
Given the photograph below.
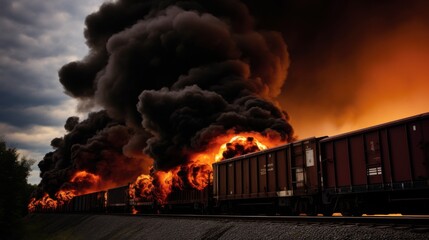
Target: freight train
x=380 y=169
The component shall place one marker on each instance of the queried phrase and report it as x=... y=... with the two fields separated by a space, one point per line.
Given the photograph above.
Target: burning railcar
x=281 y=179
x=379 y=169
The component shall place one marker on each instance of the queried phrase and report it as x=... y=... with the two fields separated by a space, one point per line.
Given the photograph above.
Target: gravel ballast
x=77 y=226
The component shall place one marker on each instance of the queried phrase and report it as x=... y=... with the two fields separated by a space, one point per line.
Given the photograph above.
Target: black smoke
x=171 y=76
x=95 y=145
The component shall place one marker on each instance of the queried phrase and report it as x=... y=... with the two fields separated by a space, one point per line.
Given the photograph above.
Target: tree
x=14 y=190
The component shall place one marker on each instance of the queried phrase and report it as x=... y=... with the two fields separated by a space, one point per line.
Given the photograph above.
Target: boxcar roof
x=265 y=150
x=376 y=127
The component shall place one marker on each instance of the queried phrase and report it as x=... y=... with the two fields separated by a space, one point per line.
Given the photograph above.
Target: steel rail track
x=409 y=221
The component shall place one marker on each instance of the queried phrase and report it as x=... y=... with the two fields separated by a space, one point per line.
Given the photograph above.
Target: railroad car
x=381 y=169
x=283 y=179
x=91 y=202
x=190 y=200
x=118 y=200
x=65 y=207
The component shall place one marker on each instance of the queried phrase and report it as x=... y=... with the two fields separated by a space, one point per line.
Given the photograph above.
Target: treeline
x=14 y=191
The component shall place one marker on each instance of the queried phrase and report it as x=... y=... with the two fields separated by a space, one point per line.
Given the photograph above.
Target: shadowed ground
x=77 y=226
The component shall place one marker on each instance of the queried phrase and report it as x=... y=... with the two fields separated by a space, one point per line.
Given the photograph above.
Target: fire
x=197 y=172
x=156 y=186
x=142 y=187
x=133 y=210
x=85 y=178
x=44 y=203
x=239 y=145
x=165 y=182
x=82 y=182
x=223 y=146
x=65 y=195
x=199 y=169
x=32 y=205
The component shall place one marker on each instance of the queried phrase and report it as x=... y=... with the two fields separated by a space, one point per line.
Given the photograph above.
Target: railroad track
x=400 y=222
x=164 y=226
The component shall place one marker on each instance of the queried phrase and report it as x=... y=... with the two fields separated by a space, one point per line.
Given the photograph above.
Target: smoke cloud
x=170 y=76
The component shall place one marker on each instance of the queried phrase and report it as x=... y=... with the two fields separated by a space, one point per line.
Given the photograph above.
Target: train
x=380 y=169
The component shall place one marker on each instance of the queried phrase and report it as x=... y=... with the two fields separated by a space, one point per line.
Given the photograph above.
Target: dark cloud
x=23 y=119
x=33 y=47
x=37 y=38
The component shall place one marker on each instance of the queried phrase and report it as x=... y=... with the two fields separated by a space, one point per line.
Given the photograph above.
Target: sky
x=38 y=37
x=353 y=64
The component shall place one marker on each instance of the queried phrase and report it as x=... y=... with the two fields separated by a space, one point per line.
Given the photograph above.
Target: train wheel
x=345 y=206
x=327 y=211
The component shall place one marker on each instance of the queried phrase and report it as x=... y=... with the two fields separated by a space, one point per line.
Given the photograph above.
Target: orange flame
x=237 y=146
x=199 y=174
x=156 y=186
x=84 y=182
x=133 y=210
x=85 y=178
x=142 y=187
x=196 y=173
x=64 y=196
x=198 y=170
x=44 y=203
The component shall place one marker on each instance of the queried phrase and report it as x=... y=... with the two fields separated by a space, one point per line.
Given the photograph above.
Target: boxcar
x=65 y=207
x=189 y=200
x=282 y=179
x=91 y=202
x=118 y=199
x=381 y=168
x=77 y=203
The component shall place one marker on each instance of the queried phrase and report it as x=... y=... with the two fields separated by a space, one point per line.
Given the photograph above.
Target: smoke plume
x=171 y=76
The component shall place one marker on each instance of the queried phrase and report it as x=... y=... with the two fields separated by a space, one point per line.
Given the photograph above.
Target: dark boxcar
x=118 y=199
x=94 y=202
x=77 y=203
x=65 y=207
x=384 y=163
x=189 y=200
x=91 y=202
x=285 y=178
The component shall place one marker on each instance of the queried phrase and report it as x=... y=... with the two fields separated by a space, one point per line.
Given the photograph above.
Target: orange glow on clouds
x=384 y=78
